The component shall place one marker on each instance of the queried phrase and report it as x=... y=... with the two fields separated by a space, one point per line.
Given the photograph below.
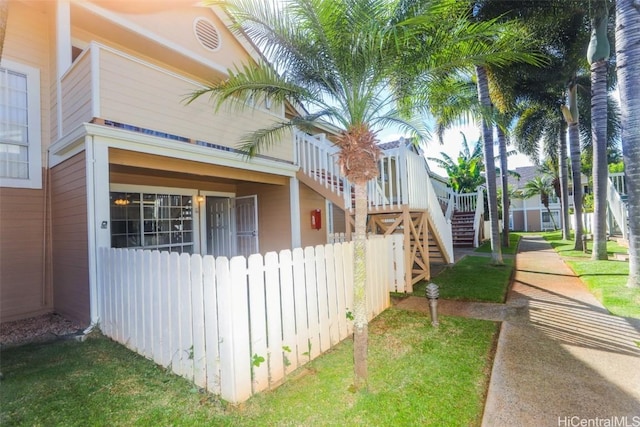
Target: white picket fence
x=236 y=327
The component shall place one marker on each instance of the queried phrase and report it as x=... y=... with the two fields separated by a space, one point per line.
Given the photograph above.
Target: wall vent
x=207 y=34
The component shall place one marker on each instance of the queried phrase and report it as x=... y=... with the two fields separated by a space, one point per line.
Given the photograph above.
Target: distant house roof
x=527 y=173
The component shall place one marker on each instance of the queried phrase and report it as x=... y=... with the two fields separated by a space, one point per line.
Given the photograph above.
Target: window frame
x=34 y=148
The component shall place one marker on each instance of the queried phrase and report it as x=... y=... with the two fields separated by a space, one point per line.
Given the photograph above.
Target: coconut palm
x=542 y=121
x=540 y=186
x=343 y=62
x=628 y=60
x=598 y=56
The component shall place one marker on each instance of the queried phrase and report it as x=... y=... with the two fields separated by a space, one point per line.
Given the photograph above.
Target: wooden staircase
x=462 y=229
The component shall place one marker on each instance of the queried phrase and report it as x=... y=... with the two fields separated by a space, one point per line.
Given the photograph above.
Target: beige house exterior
x=99 y=148
x=109 y=153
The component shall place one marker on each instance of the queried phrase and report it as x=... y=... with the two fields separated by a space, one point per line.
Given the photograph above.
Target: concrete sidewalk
x=561 y=359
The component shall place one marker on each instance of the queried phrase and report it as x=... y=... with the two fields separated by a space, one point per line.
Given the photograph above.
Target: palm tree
x=4 y=14
x=540 y=186
x=343 y=62
x=628 y=59
x=490 y=166
x=572 y=117
x=598 y=56
x=542 y=121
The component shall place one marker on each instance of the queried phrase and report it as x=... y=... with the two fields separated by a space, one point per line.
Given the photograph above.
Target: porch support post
x=294 y=200
x=408 y=258
x=98 y=224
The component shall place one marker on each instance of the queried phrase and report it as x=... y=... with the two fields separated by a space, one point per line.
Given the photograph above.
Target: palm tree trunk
x=598 y=55
x=564 y=180
x=576 y=175
x=360 y=322
x=490 y=167
x=4 y=15
x=628 y=61
x=504 y=179
x=600 y=172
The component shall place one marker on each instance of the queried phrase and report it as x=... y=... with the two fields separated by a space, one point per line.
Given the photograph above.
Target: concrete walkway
x=561 y=356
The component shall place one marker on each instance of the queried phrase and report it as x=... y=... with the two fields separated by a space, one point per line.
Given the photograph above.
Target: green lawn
x=605 y=279
x=514 y=238
x=419 y=375
x=473 y=278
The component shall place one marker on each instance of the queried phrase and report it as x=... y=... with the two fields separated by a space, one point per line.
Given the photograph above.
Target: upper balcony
x=104 y=84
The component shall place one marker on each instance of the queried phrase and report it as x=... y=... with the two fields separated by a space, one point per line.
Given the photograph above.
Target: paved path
x=561 y=358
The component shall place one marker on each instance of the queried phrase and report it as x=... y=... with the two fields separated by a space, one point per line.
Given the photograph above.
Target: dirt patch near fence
x=43 y=328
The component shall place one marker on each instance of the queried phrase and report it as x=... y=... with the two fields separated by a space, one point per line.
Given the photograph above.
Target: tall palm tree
x=343 y=61
x=4 y=14
x=540 y=186
x=490 y=165
x=628 y=59
x=572 y=117
x=598 y=56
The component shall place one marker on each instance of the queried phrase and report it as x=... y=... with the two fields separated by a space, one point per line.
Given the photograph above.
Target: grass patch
x=419 y=375
x=473 y=278
x=607 y=280
x=566 y=248
x=514 y=238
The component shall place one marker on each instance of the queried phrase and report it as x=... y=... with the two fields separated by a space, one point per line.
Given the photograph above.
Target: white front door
x=246 y=225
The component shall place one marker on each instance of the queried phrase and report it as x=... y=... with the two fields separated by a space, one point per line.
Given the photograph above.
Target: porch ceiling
x=130 y=162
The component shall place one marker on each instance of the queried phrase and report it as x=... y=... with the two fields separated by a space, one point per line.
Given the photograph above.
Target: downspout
x=91 y=232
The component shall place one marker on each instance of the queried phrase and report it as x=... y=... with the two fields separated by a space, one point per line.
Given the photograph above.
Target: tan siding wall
x=25 y=290
x=69 y=239
x=27 y=42
x=274 y=215
x=533 y=221
x=146 y=97
x=177 y=25
x=309 y=201
x=76 y=94
x=518 y=220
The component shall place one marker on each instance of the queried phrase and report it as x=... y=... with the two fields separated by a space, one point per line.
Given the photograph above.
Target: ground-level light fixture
x=432 y=293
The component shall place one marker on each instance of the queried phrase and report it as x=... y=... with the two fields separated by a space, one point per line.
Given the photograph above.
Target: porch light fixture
x=432 y=293
x=199 y=198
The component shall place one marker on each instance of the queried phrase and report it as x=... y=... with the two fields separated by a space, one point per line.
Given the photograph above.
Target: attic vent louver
x=207 y=34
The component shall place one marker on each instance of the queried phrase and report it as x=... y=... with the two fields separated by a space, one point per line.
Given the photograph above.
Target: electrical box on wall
x=316 y=219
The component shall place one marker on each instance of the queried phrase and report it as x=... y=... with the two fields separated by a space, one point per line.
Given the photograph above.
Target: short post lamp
x=432 y=294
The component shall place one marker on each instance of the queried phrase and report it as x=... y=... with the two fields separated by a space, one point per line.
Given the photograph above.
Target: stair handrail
x=416 y=181
x=619 y=182
x=617 y=207
x=317 y=158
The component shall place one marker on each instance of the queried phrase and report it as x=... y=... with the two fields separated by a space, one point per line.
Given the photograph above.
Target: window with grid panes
x=152 y=221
